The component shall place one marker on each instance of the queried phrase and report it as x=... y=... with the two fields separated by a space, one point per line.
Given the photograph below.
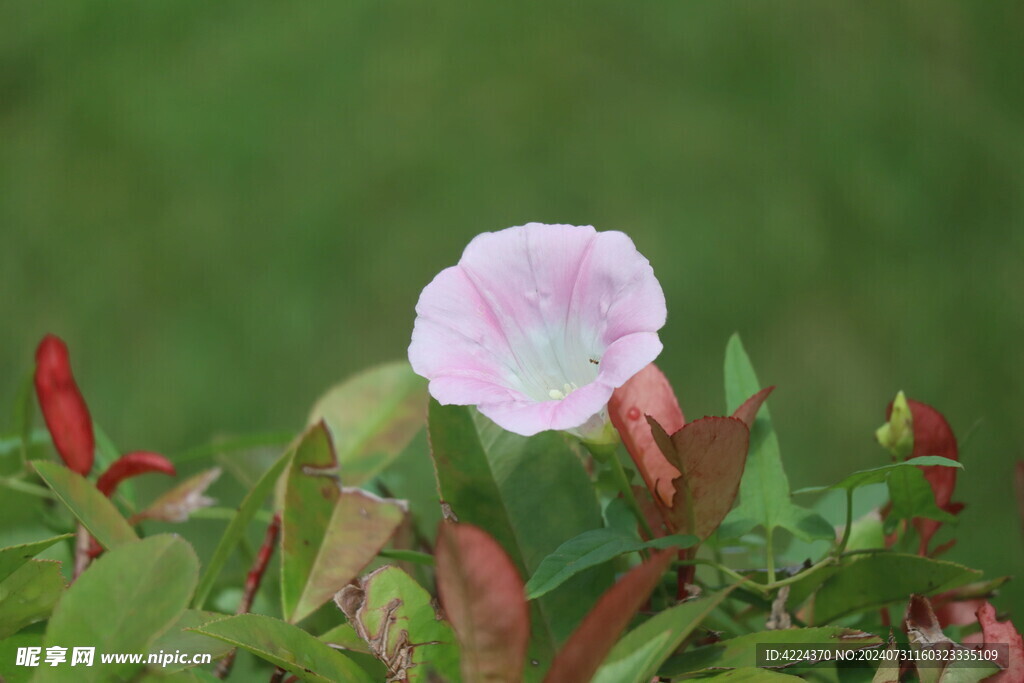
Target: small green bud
x=897 y=435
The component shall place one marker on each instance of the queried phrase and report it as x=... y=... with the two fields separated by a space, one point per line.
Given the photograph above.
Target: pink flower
x=537 y=325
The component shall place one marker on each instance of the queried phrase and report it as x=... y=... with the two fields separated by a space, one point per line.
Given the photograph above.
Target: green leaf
x=286 y=646
x=856 y=586
x=251 y=504
x=764 y=489
x=410 y=477
x=180 y=637
x=877 y=475
x=122 y=603
x=740 y=652
x=589 y=645
x=372 y=418
x=15 y=556
x=29 y=594
x=635 y=660
x=751 y=674
x=589 y=549
x=9 y=655
x=91 y=507
x=503 y=483
x=912 y=496
x=328 y=533
x=344 y=636
x=397 y=619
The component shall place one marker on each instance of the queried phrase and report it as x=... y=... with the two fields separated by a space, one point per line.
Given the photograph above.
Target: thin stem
x=769 y=555
x=252 y=584
x=627 y=493
x=849 y=524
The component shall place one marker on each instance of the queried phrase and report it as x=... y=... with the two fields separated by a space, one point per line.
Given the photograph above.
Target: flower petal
x=534 y=315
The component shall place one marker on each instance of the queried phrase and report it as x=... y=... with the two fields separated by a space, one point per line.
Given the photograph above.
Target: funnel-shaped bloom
x=537 y=325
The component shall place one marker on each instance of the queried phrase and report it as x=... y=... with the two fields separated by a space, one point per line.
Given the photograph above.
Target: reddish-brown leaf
x=995 y=632
x=647 y=393
x=587 y=647
x=748 y=409
x=711 y=454
x=933 y=436
x=132 y=465
x=482 y=595
x=64 y=409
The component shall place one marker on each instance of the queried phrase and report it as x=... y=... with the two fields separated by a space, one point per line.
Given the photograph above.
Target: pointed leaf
x=286 y=646
x=143 y=588
x=633 y=660
x=251 y=504
x=372 y=418
x=397 y=620
x=91 y=507
x=64 y=409
x=648 y=393
x=747 y=412
x=741 y=651
x=482 y=594
x=589 y=549
x=589 y=644
x=328 y=533
x=877 y=475
x=177 y=504
x=764 y=489
x=14 y=556
x=29 y=594
x=182 y=638
x=710 y=453
x=856 y=587
x=502 y=483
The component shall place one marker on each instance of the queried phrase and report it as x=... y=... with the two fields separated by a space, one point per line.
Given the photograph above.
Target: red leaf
x=647 y=393
x=1003 y=632
x=933 y=436
x=711 y=454
x=587 y=647
x=132 y=465
x=482 y=595
x=64 y=409
x=993 y=633
x=748 y=410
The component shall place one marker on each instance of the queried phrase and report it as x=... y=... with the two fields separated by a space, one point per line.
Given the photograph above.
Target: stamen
x=567 y=389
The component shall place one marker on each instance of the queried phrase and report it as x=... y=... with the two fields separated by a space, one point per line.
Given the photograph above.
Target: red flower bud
x=132 y=465
x=64 y=409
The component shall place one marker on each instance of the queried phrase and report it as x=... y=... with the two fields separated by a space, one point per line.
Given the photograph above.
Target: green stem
x=849 y=524
x=769 y=555
x=625 y=488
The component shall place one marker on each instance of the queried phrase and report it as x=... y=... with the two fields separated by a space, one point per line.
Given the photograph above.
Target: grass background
x=226 y=207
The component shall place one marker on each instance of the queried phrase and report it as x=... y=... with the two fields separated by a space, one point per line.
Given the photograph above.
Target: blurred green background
x=226 y=207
